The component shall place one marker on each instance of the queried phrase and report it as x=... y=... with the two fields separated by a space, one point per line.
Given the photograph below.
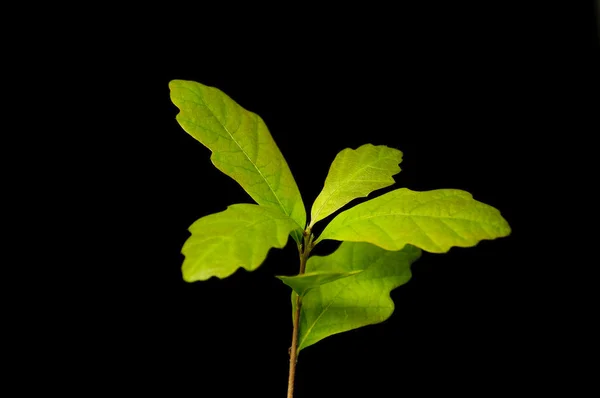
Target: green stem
x=304 y=252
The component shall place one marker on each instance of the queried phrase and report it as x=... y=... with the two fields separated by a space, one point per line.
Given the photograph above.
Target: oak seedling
x=381 y=237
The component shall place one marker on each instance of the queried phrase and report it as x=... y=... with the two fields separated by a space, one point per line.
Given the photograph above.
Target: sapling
x=381 y=237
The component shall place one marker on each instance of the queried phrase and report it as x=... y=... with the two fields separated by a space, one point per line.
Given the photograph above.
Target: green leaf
x=241 y=146
x=432 y=220
x=354 y=174
x=303 y=283
x=355 y=301
x=240 y=236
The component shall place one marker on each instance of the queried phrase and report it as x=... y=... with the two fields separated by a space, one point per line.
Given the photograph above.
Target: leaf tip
x=175 y=83
x=505 y=228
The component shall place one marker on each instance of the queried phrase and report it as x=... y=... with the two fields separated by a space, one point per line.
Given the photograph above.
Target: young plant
x=381 y=238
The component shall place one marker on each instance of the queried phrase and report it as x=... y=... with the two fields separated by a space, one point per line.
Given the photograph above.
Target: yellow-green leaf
x=432 y=220
x=358 y=300
x=355 y=173
x=303 y=283
x=241 y=146
x=240 y=236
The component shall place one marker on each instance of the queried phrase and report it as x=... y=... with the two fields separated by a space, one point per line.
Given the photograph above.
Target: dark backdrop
x=467 y=92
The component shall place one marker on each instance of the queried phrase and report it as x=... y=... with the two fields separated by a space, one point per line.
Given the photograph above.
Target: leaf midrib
x=238 y=145
x=404 y=214
x=418 y=215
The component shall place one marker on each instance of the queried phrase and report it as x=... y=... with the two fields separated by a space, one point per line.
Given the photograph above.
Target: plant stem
x=304 y=253
x=294 y=350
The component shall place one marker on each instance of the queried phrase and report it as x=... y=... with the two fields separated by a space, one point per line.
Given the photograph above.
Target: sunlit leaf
x=241 y=146
x=240 y=236
x=358 y=300
x=355 y=173
x=433 y=221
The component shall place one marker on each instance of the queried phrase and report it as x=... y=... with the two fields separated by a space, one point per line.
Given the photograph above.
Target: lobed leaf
x=355 y=301
x=355 y=173
x=241 y=146
x=240 y=236
x=433 y=221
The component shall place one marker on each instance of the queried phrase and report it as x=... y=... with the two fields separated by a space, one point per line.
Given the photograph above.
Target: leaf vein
x=242 y=149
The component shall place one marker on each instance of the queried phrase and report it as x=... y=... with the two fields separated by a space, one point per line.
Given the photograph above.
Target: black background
x=468 y=92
